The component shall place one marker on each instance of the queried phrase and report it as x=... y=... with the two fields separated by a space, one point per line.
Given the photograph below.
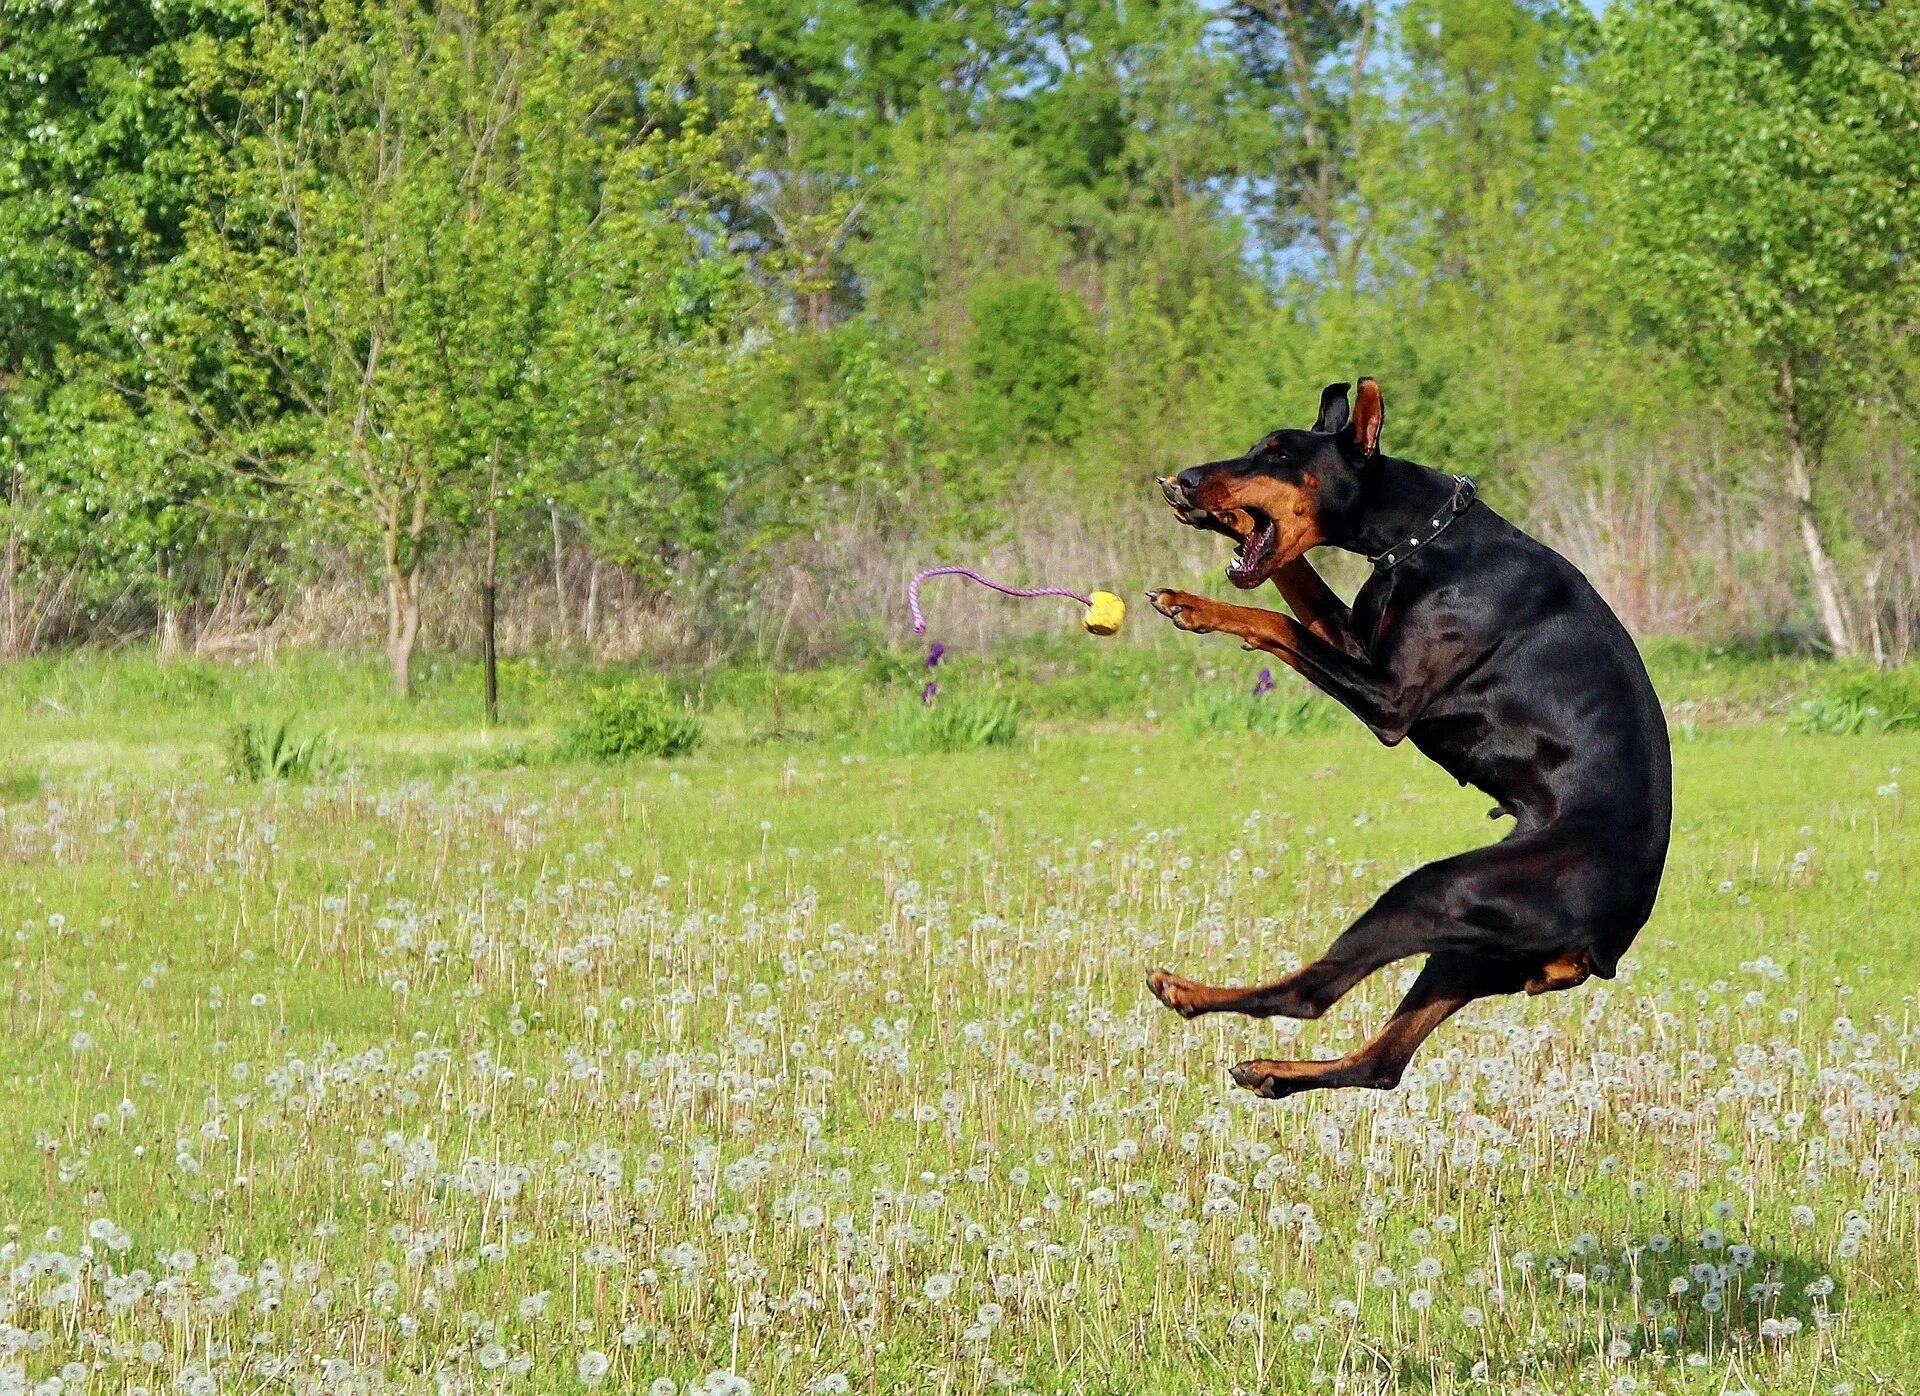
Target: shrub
x=259 y=751
x=958 y=724
x=630 y=719
x=1217 y=711
x=1861 y=700
x=1033 y=352
x=18 y=786
x=507 y=756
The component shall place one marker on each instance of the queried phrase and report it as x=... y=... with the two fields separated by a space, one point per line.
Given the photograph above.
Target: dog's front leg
x=1317 y=606
x=1202 y=615
x=1367 y=691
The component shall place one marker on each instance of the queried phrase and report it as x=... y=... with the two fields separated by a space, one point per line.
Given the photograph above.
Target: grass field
x=806 y=1063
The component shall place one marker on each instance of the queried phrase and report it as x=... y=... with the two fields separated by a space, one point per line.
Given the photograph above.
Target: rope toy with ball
x=1103 y=614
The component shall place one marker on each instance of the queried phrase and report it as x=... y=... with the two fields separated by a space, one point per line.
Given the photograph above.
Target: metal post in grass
x=488 y=662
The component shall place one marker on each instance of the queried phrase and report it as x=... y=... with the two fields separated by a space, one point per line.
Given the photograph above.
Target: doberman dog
x=1494 y=655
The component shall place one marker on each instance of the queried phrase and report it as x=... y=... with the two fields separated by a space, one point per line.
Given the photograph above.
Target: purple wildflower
x=1264 y=684
x=926 y=694
x=933 y=655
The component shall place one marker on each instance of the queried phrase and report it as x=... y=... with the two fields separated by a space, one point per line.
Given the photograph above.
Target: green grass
x=125 y=712
x=1215 y=711
x=956 y=722
x=791 y=1056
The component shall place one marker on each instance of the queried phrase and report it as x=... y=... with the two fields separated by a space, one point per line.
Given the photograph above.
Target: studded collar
x=1462 y=500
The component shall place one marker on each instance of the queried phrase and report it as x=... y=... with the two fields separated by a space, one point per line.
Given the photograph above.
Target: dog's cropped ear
x=1369 y=415
x=1333 y=408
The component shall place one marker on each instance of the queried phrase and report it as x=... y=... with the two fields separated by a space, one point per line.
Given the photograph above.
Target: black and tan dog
x=1493 y=655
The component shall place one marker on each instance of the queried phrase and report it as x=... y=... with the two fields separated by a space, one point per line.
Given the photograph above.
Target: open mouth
x=1255 y=537
x=1254 y=550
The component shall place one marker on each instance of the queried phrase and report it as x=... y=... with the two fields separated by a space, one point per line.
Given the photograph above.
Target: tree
x=1031 y=351
x=840 y=77
x=1484 y=243
x=1762 y=169
x=1309 y=68
x=440 y=230
x=102 y=146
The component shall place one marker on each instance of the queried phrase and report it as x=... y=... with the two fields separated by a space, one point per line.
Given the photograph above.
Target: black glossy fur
x=1495 y=657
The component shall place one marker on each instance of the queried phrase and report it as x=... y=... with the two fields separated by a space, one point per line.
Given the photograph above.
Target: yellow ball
x=1103 y=617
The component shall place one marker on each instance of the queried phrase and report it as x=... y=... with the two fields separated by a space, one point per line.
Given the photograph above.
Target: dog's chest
x=1380 y=604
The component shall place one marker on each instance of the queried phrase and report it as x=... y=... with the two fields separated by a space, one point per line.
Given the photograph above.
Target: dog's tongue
x=1250 y=552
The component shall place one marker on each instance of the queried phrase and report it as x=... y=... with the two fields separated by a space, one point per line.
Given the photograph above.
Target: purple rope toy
x=913 y=590
x=1103 y=614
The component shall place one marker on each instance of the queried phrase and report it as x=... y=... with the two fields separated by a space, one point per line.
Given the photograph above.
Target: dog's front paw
x=1183 y=608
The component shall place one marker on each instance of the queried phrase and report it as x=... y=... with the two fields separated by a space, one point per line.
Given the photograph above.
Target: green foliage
x=17 y=785
x=1763 y=172
x=1217 y=711
x=865 y=418
x=1854 y=700
x=508 y=756
x=635 y=718
x=258 y=751
x=103 y=136
x=957 y=723
x=442 y=243
x=1031 y=351
x=717 y=290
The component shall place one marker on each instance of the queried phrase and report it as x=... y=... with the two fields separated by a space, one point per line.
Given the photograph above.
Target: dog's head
x=1292 y=491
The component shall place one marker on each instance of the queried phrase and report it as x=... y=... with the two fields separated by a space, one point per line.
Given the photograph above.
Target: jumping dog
x=1494 y=656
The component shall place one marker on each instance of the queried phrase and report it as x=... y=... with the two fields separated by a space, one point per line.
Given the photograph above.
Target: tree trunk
x=1826 y=578
x=167 y=641
x=403 y=593
x=403 y=627
x=816 y=303
x=489 y=663
x=559 y=576
x=1876 y=641
x=591 y=616
x=10 y=573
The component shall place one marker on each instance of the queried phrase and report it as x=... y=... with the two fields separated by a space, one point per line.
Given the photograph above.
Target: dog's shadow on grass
x=1684 y=1297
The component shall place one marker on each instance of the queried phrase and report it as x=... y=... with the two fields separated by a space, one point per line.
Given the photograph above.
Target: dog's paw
x=1183 y=608
x=1176 y=993
x=1270 y=1080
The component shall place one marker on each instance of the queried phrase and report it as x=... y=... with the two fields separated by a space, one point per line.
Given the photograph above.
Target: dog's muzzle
x=1177 y=497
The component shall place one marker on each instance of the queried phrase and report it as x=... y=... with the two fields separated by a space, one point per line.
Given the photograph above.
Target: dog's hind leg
x=1395 y=927
x=1446 y=984
x=1568 y=971
x=1517 y=900
x=1306 y=993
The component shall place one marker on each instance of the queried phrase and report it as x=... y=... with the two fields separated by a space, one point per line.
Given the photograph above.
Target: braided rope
x=913 y=590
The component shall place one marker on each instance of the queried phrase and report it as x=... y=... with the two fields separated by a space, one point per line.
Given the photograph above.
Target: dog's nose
x=1187 y=480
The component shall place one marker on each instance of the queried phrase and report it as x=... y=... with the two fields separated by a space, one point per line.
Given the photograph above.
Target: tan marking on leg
x=1568 y=971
